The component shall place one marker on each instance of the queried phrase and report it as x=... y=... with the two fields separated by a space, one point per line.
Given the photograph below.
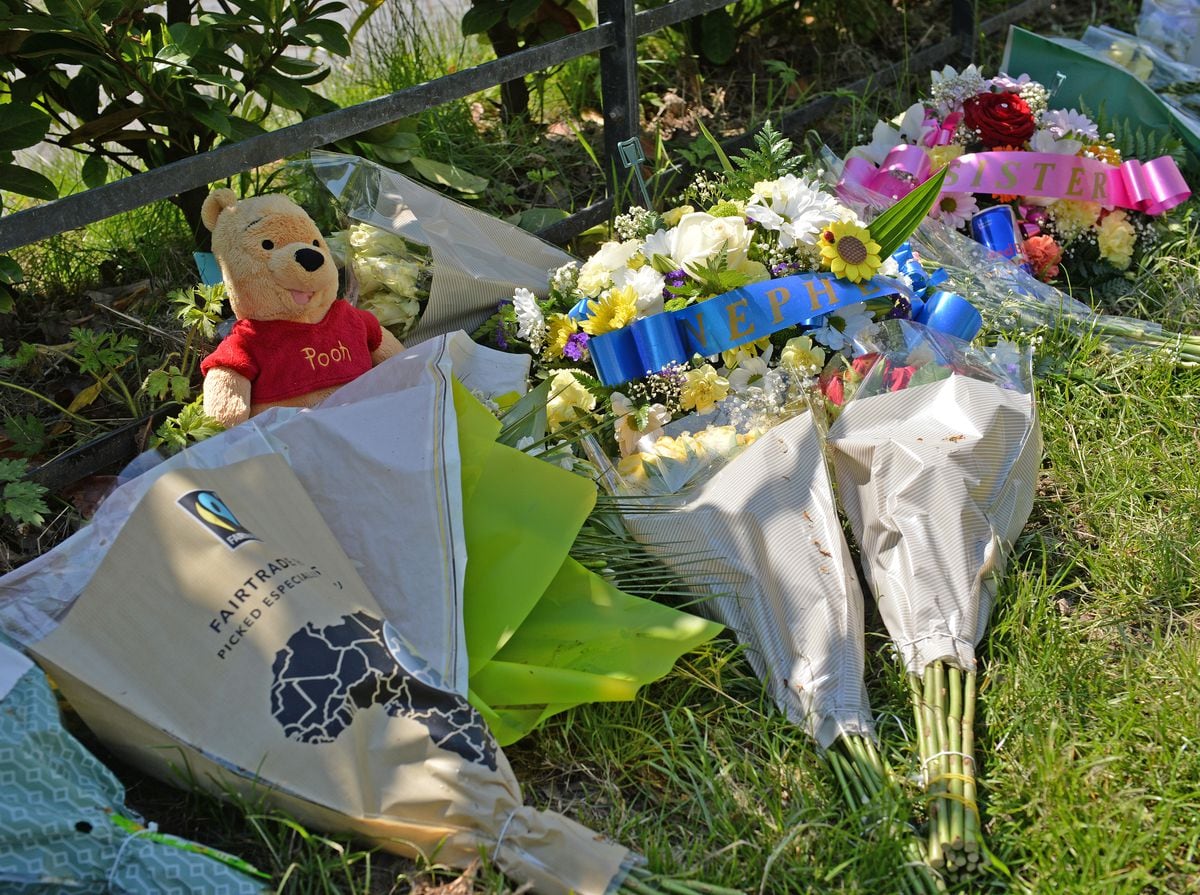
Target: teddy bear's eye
x=317 y=243
x=268 y=245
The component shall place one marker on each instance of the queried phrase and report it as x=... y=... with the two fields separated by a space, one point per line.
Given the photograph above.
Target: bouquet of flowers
x=422 y=263
x=937 y=454
x=1070 y=201
x=387 y=274
x=681 y=358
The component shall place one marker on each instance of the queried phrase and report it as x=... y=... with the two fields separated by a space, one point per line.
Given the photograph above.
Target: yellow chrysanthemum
x=612 y=312
x=848 y=251
x=702 y=389
x=569 y=399
x=1072 y=218
x=1115 y=237
x=735 y=356
x=559 y=328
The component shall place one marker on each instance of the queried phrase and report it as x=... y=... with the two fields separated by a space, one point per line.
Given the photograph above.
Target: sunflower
x=848 y=250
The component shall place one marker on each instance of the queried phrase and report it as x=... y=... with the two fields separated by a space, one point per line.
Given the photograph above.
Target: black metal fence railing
x=614 y=38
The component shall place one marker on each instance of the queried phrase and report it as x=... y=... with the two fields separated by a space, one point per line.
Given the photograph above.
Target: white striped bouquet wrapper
x=422 y=263
x=936 y=455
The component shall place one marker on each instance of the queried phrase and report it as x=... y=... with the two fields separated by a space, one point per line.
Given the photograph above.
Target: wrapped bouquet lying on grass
x=937 y=452
x=338 y=643
x=682 y=360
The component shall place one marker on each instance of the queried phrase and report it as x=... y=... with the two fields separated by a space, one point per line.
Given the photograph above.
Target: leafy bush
x=131 y=88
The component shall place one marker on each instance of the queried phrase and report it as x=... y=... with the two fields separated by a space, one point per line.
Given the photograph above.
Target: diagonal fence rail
x=614 y=38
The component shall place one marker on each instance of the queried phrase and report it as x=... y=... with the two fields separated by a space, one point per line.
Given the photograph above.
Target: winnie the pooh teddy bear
x=294 y=341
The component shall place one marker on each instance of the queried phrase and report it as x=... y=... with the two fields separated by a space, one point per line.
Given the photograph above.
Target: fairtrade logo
x=211 y=512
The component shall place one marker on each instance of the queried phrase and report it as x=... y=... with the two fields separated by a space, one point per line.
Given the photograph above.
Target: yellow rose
x=568 y=397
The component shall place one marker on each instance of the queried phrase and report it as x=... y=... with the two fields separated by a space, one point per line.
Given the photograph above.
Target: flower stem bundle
x=943 y=701
x=866 y=779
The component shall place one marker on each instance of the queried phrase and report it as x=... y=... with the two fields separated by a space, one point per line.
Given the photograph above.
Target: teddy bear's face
x=274 y=261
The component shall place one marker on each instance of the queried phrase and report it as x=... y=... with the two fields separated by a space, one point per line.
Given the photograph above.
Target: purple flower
x=501 y=338
x=576 y=346
x=676 y=278
x=901 y=308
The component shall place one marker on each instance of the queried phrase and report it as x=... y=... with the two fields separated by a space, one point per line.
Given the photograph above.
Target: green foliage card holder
x=1086 y=79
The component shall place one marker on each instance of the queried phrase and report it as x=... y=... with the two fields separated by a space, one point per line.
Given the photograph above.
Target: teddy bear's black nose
x=309 y=259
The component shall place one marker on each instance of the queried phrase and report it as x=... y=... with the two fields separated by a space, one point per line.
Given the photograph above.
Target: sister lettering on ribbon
x=1082 y=208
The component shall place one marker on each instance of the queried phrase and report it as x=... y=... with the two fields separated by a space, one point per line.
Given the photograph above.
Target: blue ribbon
x=756 y=310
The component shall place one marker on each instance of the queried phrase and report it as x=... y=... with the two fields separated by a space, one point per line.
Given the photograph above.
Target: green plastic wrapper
x=543 y=633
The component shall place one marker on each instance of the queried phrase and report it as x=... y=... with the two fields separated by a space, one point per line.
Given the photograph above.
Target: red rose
x=863 y=363
x=897 y=378
x=833 y=388
x=1002 y=119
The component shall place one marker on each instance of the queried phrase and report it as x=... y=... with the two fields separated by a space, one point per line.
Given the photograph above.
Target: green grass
x=1089 y=676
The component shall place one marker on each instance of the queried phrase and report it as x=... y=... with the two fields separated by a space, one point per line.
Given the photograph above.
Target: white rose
x=700 y=237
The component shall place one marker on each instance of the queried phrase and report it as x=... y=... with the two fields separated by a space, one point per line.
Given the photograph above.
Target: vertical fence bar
x=962 y=25
x=619 y=90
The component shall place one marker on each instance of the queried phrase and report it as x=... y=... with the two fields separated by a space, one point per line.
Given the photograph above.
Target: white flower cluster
x=391 y=275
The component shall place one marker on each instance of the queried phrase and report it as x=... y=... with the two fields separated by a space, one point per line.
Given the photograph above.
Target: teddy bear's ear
x=217 y=201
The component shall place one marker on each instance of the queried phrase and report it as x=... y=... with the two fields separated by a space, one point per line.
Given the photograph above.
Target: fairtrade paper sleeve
x=761 y=542
x=227 y=636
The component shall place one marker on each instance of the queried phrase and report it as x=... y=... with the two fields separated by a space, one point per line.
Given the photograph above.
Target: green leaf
x=480 y=18
x=83 y=95
x=328 y=35
x=718 y=38
x=215 y=120
x=900 y=221
x=23 y=502
x=535 y=219
x=21 y=126
x=156 y=384
x=726 y=166
x=219 y=80
x=241 y=129
x=582 y=14
x=16 y=179
x=286 y=93
x=10 y=271
x=95 y=171
x=449 y=175
x=526 y=418
x=12 y=470
x=6 y=300
x=96 y=130
x=26 y=434
x=520 y=10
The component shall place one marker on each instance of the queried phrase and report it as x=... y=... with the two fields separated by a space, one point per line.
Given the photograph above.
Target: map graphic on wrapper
x=325 y=675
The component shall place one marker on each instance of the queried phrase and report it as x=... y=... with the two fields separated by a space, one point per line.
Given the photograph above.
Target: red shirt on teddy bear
x=285 y=358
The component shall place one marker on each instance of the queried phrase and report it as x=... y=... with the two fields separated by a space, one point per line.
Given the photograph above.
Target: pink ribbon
x=1152 y=187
